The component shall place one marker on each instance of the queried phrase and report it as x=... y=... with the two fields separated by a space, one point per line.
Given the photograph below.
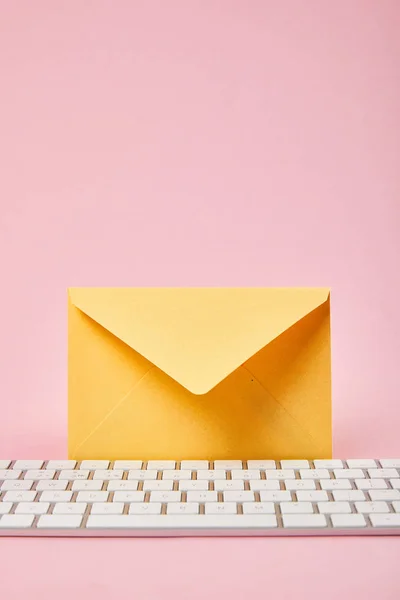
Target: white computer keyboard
x=224 y=497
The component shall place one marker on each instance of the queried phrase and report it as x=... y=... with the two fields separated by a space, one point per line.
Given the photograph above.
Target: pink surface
x=200 y=143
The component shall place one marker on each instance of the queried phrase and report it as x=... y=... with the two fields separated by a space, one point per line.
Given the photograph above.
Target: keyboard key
x=5 y=507
x=333 y=463
x=40 y=474
x=245 y=474
x=348 y=473
x=16 y=484
x=124 y=485
x=348 y=495
x=7 y=474
x=279 y=496
x=218 y=508
x=158 y=485
x=395 y=483
x=59 y=521
x=70 y=508
x=107 y=508
x=24 y=465
x=195 y=465
x=128 y=465
x=183 y=508
x=389 y=520
x=280 y=474
x=177 y=475
x=59 y=465
x=243 y=496
x=108 y=474
x=228 y=484
x=4 y=464
x=228 y=465
x=202 y=496
x=210 y=475
x=70 y=475
x=388 y=463
x=335 y=484
x=55 y=496
x=92 y=465
x=261 y=464
x=386 y=495
x=300 y=484
x=53 y=484
x=165 y=497
x=315 y=474
x=304 y=521
x=89 y=484
x=177 y=523
x=311 y=496
x=92 y=497
x=161 y=465
x=128 y=497
x=264 y=484
x=361 y=463
x=16 y=496
x=259 y=508
x=32 y=508
x=145 y=508
x=334 y=507
x=382 y=473
x=296 y=508
x=142 y=475
x=348 y=521
x=16 y=521
x=396 y=507
x=371 y=507
x=295 y=464
x=193 y=484
x=371 y=484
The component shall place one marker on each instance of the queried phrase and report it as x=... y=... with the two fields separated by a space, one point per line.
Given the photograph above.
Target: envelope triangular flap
x=198 y=336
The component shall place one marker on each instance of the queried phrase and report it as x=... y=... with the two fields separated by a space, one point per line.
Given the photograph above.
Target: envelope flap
x=197 y=336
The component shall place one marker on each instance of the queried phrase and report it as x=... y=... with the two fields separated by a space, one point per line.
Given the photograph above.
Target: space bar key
x=149 y=523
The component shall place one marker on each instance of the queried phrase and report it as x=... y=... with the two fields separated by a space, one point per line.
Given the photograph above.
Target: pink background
x=200 y=143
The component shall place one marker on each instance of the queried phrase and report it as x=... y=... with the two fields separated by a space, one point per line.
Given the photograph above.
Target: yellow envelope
x=192 y=373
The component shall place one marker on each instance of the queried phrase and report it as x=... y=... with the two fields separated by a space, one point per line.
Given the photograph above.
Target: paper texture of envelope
x=199 y=373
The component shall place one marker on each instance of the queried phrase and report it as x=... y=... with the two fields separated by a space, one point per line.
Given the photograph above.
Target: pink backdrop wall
x=201 y=143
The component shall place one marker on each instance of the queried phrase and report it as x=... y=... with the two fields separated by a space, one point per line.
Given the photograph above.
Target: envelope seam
x=114 y=408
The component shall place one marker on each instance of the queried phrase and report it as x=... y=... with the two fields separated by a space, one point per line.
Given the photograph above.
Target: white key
x=70 y=508
x=228 y=465
x=312 y=496
x=183 y=508
x=165 y=497
x=18 y=484
x=4 y=464
x=145 y=508
x=16 y=521
x=177 y=523
x=280 y=474
x=298 y=508
x=53 y=484
x=314 y=474
x=396 y=506
x=259 y=508
x=390 y=520
x=39 y=474
x=195 y=465
x=88 y=484
x=55 y=496
x=7 y=474
x=92 y=497
x=279 y=496
x=202 y=496
x=246 y=474
x=264 y=484
x=60 y=465
x=19 y=496
x=382 y=473
x=261 y=464
x=193 y=484
x=127 y=465
x=218 y=508
x=177 y=475
x=24 y=465
x=331 y=508
x=348 y=495
x=385 y=495
x=348 y=473
x=348 y=521
x=142 y=475
x=371 y=507
x=395 y=483
x=59 y=521
x=161 y=465
x=371 y=484
x=70 y=475
x=388 y=463
x=303 y=521
x=333 y=463
x=335 y=484
x=32 y=508
x=107 y=508
x=92 y=465
x=128 y=496
x=122 y=484
x=158 y=485
x=300 y=484
x=108 y=474
x=228 y=484
x=295 y=464
x=361 y=463
x=245 y=496
x=5 y=507
x=210 y=475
